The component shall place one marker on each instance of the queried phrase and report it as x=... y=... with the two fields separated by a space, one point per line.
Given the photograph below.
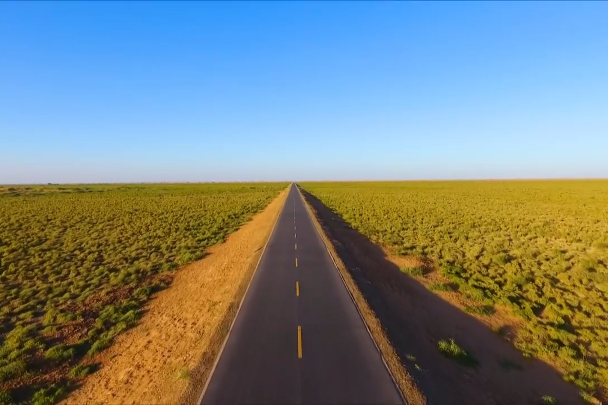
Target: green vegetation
x=48 y=395
x=440 y=287
x=538 y=247
x=548 y=400
x=78 y=262
x=413 y=271
x=59 y=353
x=451 y=350
x=479 y=310
x=79 y=371
x=5 y=398
x=184 y=374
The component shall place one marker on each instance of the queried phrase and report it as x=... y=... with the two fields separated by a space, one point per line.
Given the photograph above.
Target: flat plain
x=78 y=263
x=536 y=250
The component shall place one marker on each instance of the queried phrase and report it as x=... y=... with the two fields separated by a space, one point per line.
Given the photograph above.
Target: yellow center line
x=297 y=289
x=296 y=246
x=295 y=235
x=296 y=262
x=299 y=342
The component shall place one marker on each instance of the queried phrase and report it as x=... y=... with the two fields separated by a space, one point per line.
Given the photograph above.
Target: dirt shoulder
x=412 y=321
x=167 y=357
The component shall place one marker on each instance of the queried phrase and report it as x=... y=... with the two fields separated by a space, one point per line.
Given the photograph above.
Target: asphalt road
x=298 y=338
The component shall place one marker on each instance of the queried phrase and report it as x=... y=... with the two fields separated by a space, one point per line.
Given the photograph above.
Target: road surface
x=298 y=338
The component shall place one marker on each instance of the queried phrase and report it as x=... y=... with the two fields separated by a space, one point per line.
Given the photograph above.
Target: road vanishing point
x=298 y=337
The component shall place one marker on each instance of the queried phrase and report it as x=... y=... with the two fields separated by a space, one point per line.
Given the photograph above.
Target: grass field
x=77 y=263
x=538 y=248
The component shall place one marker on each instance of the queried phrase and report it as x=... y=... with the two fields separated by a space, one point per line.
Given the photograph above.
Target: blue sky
x=120 y=92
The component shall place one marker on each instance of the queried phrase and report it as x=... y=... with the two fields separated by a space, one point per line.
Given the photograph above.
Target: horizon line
x=310 y=181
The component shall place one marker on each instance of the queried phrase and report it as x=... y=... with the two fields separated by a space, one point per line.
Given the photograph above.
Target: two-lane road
x=298 y=338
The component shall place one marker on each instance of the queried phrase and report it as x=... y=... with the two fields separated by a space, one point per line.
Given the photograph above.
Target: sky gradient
x=132 y=92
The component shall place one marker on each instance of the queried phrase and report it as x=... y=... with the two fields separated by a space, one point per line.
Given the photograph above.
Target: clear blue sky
x=119 y=92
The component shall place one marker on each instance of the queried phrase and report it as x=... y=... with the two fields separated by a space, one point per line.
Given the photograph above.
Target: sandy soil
x=414 y=319
x=167 y=357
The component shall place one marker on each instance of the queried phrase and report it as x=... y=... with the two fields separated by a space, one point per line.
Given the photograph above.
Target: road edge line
x=221 y=351
x=321 y=233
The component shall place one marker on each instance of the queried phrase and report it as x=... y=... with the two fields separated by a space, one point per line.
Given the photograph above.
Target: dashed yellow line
x=297 y=289
x=299 y=342
x=296 y=262
x=296 y=246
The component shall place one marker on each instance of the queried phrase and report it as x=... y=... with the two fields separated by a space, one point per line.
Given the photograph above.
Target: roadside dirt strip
x=166 y=358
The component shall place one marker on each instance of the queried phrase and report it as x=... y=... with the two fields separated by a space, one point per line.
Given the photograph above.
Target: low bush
x=14 y=369
x=451 y=350
x=48 y=396
x=59 y=353
x=98 y=346
x=416 y=271
x=548 y=400
x=480 y=310
x=5 y=398
x=79 y=371
x=441 y=287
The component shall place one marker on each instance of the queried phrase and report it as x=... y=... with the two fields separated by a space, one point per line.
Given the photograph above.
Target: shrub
x=416 y=271
x=188 y=257
x=480 y=310
x=79 y=371
x=501 y=259
x=441 y=287
x=59 y=353
x=48 y=396
x=587 y=397
x=451 y=350
x=5 y=398
x=142 y=293
x=98 y=346
x=548 y=400
x=169 y=266
x=12 y=370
